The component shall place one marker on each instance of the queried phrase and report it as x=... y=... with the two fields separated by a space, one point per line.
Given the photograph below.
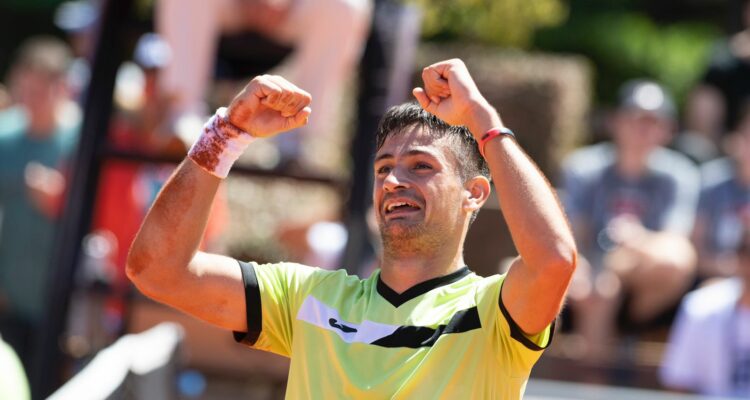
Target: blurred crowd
x=661 y=211
x=159 y=93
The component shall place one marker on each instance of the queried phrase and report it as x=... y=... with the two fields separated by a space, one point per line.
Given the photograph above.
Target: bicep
x=533 y=298
x=212 y=290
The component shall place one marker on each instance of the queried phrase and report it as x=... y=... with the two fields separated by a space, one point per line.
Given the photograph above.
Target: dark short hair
x=398 y=119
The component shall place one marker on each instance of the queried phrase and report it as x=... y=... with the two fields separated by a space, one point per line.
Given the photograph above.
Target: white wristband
x=219 y=145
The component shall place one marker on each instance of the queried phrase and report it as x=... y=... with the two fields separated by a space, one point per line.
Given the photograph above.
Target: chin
x=401 y=230
x=402 y=237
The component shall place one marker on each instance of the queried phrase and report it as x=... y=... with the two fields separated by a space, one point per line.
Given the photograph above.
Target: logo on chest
x=315 y=312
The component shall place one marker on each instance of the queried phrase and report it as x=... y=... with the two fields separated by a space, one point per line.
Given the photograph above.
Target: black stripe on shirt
x=253 y=309
x=516 y=332
x=397 y=299
x=422 y=336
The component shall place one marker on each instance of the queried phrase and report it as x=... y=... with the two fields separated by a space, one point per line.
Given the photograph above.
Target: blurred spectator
x=127 y=188
x=724 y=206
x=727 y=80
x=37 y=135
x=77 y=19
x=631 y=203
x=703 y=126
x=123 y=194
x=327 y=35
x=709 y=346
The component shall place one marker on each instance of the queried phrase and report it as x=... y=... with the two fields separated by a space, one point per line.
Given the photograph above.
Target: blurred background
x=636 y=110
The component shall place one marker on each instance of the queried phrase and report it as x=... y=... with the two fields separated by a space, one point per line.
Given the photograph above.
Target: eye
x=422 y=165
x=383 y=170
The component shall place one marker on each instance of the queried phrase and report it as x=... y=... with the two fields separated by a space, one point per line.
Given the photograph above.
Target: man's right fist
x=269 y=105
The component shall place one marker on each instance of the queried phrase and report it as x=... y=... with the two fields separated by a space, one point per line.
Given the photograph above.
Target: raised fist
x=269 y=105
x=450 y=93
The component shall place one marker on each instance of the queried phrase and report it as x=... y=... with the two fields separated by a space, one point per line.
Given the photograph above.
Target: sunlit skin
x=423 y=240
x=415 y=168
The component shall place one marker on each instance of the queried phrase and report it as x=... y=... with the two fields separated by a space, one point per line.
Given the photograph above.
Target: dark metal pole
x=76 y=218
x=373 y=92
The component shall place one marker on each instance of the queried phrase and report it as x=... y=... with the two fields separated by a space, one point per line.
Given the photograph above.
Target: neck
x=631 y=164
x=41 y=125
x=400 y=272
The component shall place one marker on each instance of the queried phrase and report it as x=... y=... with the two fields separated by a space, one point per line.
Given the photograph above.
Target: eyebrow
x=410 y=153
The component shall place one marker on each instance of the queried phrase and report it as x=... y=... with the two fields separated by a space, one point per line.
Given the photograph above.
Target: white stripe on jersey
x=315 y=312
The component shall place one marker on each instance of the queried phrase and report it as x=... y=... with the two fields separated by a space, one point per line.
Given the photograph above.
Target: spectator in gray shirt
x=724 y=206
x=631 y=203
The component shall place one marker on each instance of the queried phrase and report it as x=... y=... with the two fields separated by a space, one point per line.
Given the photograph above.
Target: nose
x=395 y=181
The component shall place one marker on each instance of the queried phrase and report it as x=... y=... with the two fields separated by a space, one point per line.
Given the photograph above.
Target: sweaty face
x=418 y=190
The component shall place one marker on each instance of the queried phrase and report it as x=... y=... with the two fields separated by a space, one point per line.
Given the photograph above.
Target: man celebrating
x=423 y=325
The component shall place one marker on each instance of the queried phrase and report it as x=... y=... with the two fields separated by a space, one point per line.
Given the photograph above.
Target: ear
x=476 y=192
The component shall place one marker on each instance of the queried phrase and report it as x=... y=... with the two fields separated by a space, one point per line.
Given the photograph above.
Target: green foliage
x=496 y=22
x=628 y=45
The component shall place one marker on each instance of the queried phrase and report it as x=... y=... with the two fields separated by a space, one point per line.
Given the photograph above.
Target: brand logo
x=342 y=327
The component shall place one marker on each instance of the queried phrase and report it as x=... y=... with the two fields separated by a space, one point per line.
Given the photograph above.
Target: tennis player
x=423 y=326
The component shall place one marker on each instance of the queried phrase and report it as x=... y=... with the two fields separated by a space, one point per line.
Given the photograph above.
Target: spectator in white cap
x=631 y=203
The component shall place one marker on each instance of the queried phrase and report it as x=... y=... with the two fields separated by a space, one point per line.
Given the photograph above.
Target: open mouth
x=395 y=208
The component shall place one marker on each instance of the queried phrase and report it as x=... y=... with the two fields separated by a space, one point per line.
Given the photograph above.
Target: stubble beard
x=409 y=240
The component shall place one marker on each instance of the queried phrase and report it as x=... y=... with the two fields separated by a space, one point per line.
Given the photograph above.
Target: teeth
x=394 y=205
x=391 y=206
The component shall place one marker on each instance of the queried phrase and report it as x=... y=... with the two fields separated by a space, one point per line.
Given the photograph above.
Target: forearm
x=533 y=213
x=172 y=231
x=661 y=247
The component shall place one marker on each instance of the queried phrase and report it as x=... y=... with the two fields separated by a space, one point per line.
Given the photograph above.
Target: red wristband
x=491 y=134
